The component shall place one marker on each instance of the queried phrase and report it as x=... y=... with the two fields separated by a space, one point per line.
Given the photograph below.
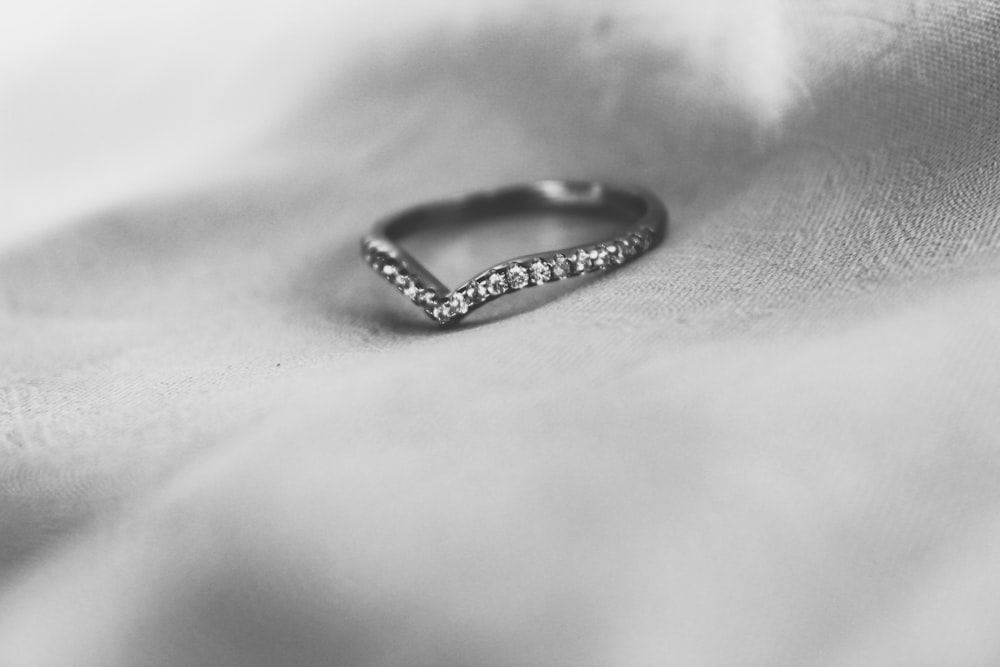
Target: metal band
x=643 y=215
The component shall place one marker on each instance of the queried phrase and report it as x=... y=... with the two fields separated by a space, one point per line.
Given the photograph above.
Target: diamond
x=517 y=276
x=638 y=243
x=497 y=283
x=444 y=312
x=541 y=272
x=410 y=290
x=615 y=253
x=582 y=261
x=402 y=280
x=599 y=257
x=476 y=292
x=561 y=267
x=428 y=298
x=627 y=249
x=481 y=292
x=389 y=269
x=458 y=303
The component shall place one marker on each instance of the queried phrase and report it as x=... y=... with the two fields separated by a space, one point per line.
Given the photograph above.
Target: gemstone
x=600 y=258
x=402 y=280
x=615 y=253
x=627 y=249
x=428 y=298
x=389 y=269
x=582 y=261
x=458 y=303
x=477 y=292
x=497 y=283
x=517 y=276
x=444 y=312
x=561 y=267
x=541 y=272
x=482 y=291
x=410 y=290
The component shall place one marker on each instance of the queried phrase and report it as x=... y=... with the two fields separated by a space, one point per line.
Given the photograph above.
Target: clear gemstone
x=444 y=312
x=541 y=272
x=402 y=280
x=599 y=258
x=561 y=267
x=410 y=290
x=517 y=276
x=389 y=270
x=497 y=283
x=428 y=298
x=458 y=303
x=615 y=253
x=481 y=293
x=582 y=261
x=626 y=247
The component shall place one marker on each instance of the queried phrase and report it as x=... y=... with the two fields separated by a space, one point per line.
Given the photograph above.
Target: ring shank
x=631 y=206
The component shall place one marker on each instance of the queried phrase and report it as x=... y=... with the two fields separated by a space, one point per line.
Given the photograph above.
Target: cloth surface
x=773 y=440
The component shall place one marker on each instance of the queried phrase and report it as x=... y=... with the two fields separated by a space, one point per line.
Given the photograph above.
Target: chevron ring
x=643 y=216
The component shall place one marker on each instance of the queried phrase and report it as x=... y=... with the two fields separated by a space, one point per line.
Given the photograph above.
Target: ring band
x=640 y=210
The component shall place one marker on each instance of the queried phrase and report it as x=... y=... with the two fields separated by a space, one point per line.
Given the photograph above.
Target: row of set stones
x=506 y=277
x=384 y=262
x=516 y=275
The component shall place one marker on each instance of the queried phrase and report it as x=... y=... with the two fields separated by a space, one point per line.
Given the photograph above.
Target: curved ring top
x=640 y=211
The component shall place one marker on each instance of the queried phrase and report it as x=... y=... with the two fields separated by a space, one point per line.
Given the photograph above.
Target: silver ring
x=642 y=213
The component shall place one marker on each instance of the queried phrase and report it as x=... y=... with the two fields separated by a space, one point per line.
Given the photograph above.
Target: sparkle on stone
x=615 y=253
x=480 y=292
x=517 y=276
x=428 y=298
x=497 y=283
x=402 y=280
x=410 y=290
x=389 y=270
x=626 y=247
x=599 y=257
x=444 y=312
x=582 y=261
x=561 y=267
x=541 y=272
x=458 y=303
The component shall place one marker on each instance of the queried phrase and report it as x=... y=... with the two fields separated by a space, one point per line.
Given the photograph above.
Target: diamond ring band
x=643 y=216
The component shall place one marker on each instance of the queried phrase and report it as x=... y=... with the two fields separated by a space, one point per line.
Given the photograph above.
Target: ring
x=642 y=213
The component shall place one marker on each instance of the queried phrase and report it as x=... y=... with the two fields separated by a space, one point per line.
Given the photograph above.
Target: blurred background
x=107 y=100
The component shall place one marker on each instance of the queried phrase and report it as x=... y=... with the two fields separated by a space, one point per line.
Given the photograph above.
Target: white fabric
x=774 y=440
